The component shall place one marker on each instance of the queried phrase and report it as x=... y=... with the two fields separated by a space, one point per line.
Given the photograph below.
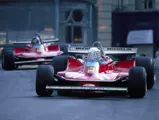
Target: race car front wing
x=87 y=88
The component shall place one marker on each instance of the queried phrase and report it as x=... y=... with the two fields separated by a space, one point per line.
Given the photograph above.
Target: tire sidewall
x=60 y=63
x=137 y=84
x=148 y=64
x=64 y=48
x=44 y=77
x=8 y=59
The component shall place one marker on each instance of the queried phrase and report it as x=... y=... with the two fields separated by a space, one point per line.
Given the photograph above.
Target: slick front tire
x=149 y=64
x=137 y=86
x=44 y=77
x=8 y=59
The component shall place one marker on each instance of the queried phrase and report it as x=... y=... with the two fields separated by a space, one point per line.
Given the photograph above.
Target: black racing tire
x=59 y=63
x=143 y=54
x=8 y=59
x=44 y=77
x=64 y=48
x=16 y=66
x=2 y=64
x=149 y=64
x=137 y=82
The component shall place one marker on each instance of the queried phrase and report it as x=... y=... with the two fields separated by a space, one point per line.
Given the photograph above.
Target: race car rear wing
x=22 y=42
x=107 y=50
x=49 y=40
x=43 y=41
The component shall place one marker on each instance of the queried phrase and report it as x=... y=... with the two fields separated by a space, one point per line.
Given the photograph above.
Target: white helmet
x=94 y=52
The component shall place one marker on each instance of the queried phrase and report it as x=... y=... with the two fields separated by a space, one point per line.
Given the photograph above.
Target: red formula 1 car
x=34 y=52
x=97 y=71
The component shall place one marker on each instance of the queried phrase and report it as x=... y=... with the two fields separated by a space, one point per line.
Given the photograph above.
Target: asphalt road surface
x=18 y=101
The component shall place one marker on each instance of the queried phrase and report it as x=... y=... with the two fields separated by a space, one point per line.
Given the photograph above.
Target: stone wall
x=105 y=8
x=104 y=21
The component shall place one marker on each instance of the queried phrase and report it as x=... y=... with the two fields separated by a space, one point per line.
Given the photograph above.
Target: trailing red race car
x=97 y=71
x=33 y=52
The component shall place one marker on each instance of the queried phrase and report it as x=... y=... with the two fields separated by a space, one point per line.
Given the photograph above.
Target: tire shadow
x=22 y=68
x=115 y=96
x=26 y=68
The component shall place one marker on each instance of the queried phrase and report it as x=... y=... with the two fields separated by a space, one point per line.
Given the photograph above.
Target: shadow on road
x=109 y=96
x=23 y=68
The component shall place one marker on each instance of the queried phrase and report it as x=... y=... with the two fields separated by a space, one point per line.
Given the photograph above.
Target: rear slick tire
x=148 y=64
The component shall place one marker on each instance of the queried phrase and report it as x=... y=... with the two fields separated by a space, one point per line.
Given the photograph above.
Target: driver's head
x=94 y=53
x=35 y=41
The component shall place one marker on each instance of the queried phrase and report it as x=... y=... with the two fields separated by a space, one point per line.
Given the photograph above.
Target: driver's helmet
x=35 y=41
x=94 y=53
x=38 y=36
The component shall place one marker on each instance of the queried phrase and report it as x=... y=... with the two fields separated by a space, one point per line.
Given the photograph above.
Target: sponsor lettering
x=120 y=49
x=105 y=49
x=79 y=48
x=82 y=48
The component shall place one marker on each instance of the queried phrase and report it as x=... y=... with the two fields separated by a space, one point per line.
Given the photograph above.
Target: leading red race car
x=97 y=71
x=36 y=51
